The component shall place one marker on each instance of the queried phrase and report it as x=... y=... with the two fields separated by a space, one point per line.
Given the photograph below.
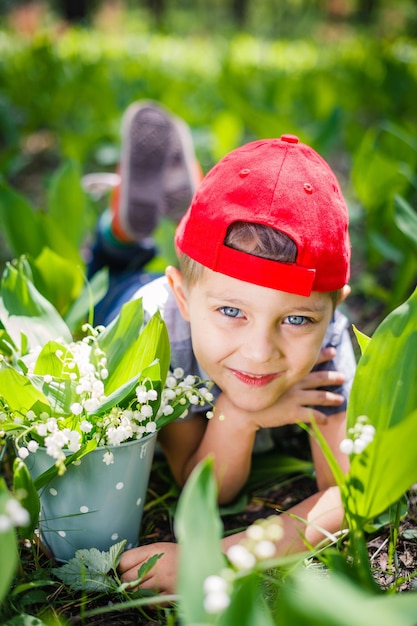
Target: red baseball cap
x=280 y=183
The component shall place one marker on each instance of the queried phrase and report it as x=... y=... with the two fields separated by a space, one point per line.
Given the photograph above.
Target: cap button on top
x=290 y=138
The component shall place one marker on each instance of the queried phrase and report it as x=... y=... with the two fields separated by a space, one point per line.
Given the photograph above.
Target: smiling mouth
x=256 y=380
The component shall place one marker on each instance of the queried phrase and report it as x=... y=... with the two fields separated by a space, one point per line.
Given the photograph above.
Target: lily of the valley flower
x=258 y=546
x=84 y=365
x=14 y=515
x=360 y=436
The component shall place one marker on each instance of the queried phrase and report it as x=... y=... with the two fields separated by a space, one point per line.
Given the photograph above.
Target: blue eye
x=230 y=311
x=297 y=320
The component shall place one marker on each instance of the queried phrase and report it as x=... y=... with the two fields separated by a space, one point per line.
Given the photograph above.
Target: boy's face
x=252 y=341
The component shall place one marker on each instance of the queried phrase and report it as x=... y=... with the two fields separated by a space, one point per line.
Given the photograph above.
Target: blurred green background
x=340 y=74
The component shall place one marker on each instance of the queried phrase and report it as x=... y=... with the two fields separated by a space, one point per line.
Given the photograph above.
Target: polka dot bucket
x=94 y=505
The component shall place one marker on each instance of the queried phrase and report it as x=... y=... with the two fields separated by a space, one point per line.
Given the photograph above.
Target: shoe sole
x=145 y=138
x=181 y=175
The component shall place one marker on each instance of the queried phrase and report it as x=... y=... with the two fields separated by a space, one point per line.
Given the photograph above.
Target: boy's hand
x=161 y=577
x=308 y=392
x=295 y=404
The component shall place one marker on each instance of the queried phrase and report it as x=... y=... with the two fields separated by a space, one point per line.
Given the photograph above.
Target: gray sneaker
x=182 y=172
x=159 y=171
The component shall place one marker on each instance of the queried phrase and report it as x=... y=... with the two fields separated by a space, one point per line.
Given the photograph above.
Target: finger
x=323 y=397
x=132 y=559
x=322 y=378
x=317 y=398
x=326 y=354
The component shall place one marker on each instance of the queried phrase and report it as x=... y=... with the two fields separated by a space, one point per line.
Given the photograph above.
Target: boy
x=264 y=261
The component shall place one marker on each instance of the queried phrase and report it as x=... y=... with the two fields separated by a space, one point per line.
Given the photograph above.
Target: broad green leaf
x=55 y=238
x=58 y=279
x=198 y=530
x=398 y=510
x=48 y=362
x=405 y=218
x=384 y=386
x=132 y=349
x=384 y=390
x=122 y=331
x=384 y=471
x=362 y=339
x=18 y=391
x=8 y=547
x=378 y=171
x=67 y=202
x=19 y=223
x=228 y=130
x=6 y=344
x=23 y=483
x=311 y=598
x=126 y=392
x=91 y=294
x=375 y=174
x=247 y=606
x=24 y=311
x=60 y=393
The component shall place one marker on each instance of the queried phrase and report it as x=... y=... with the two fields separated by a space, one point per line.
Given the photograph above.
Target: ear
x=344 y=292
x=176 y=283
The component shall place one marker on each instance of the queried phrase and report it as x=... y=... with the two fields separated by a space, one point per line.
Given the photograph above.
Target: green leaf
x=54 y=237
x=60 y=394
x=18 y=391
x=58 y=279
x=90 y=295
x=305 y=601
x=67 y=202
x=19 y=223
x=405 y=218
x=377 y=172
x=48 y=362
x=23 y=310
x=362 y=339
x=198 y=530
x=126 y=392
x=88 y=570
x=384 y=471
x=8 y=547
x=389 y=516
x=384 y=390
x=29 y=498
x=247 y=606
x=130 y=349
x=384 y=386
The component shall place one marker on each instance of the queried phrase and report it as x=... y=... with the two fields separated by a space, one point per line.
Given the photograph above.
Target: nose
x=260 y=345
